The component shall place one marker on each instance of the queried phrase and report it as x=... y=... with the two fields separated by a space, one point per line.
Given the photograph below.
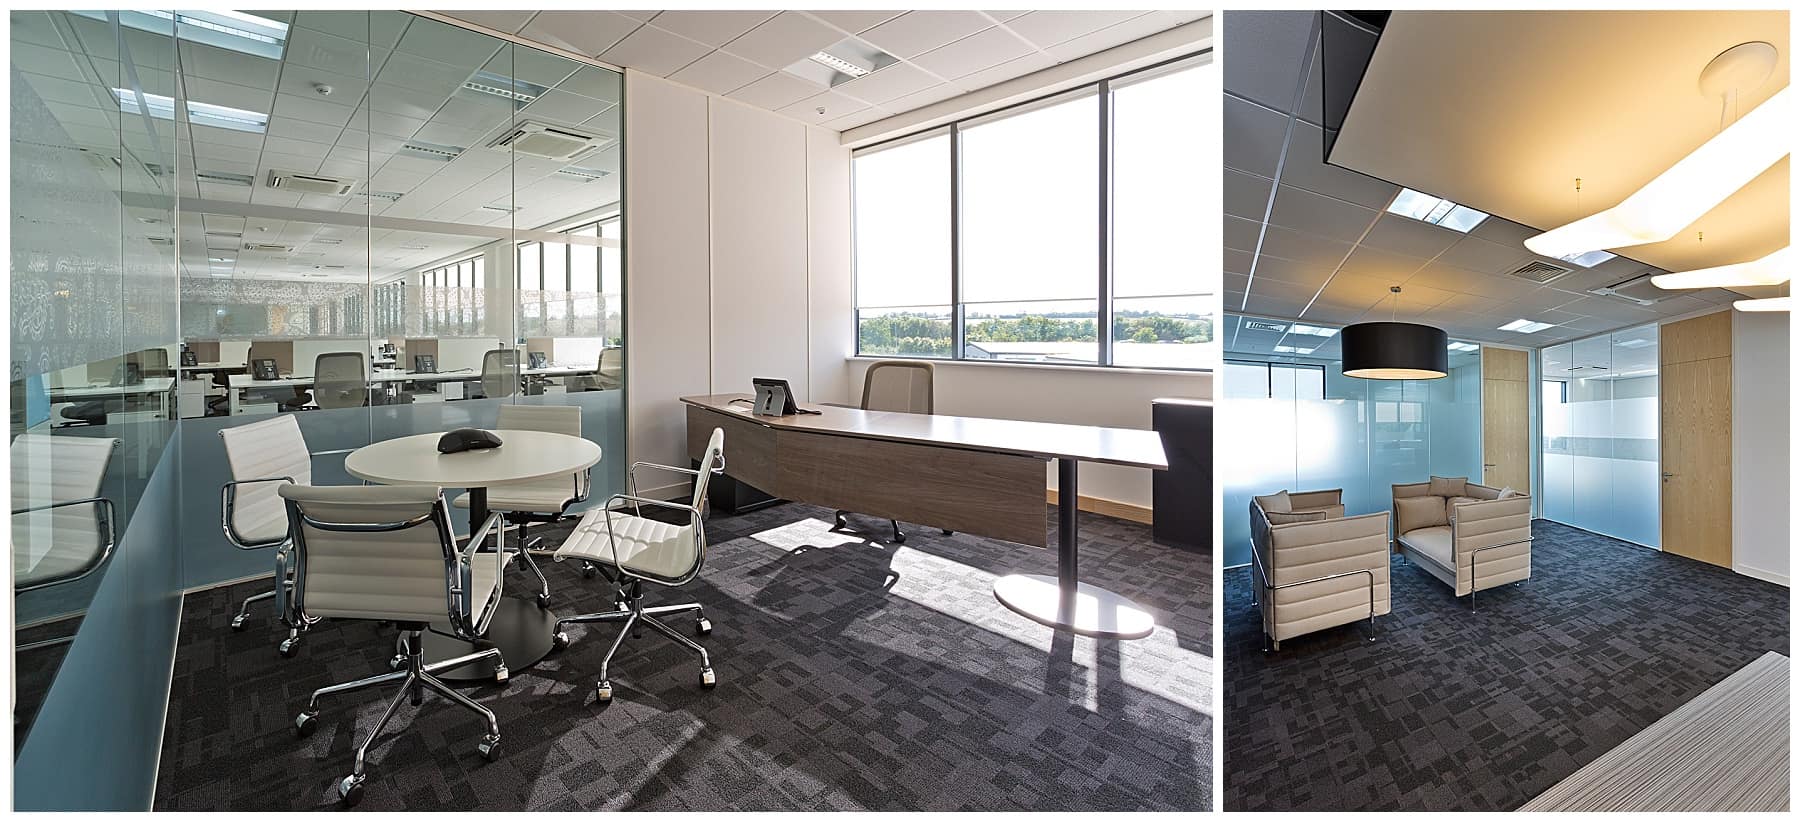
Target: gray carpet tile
x=853 y=675
x=1448 y=709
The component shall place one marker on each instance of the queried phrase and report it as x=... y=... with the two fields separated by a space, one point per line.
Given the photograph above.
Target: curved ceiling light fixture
x=1697 y=183
x=1770 y=270
x=1769 y=304
x=1394 y=350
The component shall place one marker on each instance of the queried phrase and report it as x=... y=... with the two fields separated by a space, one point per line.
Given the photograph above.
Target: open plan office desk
x=970 y=474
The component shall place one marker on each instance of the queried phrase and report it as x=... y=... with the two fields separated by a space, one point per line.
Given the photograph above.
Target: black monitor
x=424 y=364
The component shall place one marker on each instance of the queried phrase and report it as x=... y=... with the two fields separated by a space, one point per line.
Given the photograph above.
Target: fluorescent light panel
x=1693 y=186
x=230 y=30
x=200 y=114
x=1587 y=259
x=1463 y=346
x=1435 y=210
x=1288 y=349
x=838 y=64
x=1526 y=326
x=1313 y=330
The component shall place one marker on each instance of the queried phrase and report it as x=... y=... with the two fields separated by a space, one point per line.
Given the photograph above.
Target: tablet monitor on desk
x=775 y=399
x=539 y=360
x=263 y=369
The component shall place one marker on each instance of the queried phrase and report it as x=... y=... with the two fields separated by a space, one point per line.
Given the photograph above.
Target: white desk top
x=248 y=381
x=150 y=385
x=524 y=455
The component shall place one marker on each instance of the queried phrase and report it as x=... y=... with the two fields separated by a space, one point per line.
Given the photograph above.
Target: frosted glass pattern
x=1297 y=423
x=1601 y=461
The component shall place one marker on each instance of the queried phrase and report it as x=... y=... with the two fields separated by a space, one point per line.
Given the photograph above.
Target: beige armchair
x=1463 y=533
x=1316 y=568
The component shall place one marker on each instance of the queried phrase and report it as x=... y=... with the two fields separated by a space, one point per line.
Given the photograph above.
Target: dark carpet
x=852 y=675
x=1449 y=709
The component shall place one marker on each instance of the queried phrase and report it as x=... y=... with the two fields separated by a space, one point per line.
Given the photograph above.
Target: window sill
x=1091 y=369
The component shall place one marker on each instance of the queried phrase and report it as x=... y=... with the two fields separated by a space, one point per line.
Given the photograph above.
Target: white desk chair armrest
x=103 y=507
x=462 y=603
x=636 y=503
x=631 y=474
x=228 y=507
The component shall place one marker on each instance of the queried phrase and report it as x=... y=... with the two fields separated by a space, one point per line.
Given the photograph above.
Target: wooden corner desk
x=971 y=474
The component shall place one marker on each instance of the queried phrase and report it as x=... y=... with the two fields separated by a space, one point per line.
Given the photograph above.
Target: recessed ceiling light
x=1435 y=210
x=1587 y=259
x=1313 y=330
x=1463 y=346
x=231 y=30
x=1526 y=326
x=199 y=114
x=839 y=64
x=1288 y=349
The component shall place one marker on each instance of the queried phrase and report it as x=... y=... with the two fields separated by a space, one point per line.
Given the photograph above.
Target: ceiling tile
x=855 y=22
x=1305 y=167
x=1117 y=34
x=1304 y=247
x=864 y=117
x=1035 y=61
x=1253 y=137
x=784 y=40
x=1483 y=256
x=935 y=94
x=1336 y=219
x=835 y=106
x=1381 y=265
x=714 y=28
x=1269 y=73
x=654 y=51
x=507 y=21
x=1410 y=237
x=1241 y=234
x=917 y=32
x=720 y=73
x=1048 y=28
x=776 y=91
x=583 y=32
x=1290 y=271
x=982 y=50
x=895 y=81
x=447 y=43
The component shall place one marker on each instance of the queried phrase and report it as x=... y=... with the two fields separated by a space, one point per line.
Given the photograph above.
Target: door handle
x=1487 y=465
x=1666 y=476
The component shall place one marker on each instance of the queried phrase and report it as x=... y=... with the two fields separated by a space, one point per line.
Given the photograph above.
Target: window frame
x=1102 y=89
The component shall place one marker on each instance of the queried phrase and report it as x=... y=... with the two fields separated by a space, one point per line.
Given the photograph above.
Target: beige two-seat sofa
x=1470 y=536
x=1316 y=568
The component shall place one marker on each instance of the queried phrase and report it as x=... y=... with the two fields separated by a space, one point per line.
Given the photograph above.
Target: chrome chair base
x=633 y=614
x=289 y=646
x=414 y=680
x=843 y=524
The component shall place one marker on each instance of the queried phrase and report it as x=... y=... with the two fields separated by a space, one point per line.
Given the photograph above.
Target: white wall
x=720 y=256
x=1759 y=445
x=1116 y=398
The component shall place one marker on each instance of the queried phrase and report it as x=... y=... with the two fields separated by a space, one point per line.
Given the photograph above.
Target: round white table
x=522 y=631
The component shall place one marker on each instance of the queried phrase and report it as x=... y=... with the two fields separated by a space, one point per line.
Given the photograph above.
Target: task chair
x=264 y=456
x=62 y=529
x=542 y=500
x=340 y=380
x=500 y=373
x=894 y=385
x=388 y=554
x=608 y=374
x=643 y=550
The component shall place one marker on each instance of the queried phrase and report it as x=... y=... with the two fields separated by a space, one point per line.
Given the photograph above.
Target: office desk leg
x=520 y=629
x=1064 y=602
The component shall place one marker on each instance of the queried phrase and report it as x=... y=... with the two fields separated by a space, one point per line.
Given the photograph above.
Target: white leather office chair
x=387 y=553
x=264 y=456
x=895 y=385
x=542 y=500
x=62 y=528
x=642 y=550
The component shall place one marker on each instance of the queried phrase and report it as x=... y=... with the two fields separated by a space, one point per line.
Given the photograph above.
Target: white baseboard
x=1758 y=573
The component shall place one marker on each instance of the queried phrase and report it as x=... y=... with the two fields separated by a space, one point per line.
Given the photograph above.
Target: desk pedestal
x=520 y=629
x=1065 y=602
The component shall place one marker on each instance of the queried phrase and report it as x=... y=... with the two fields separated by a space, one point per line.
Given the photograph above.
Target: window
x=986 y=239
x=572 y=289
x=452 y=298
x=1273 y=380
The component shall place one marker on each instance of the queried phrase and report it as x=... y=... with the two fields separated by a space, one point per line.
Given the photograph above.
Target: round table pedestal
x=520 y=629
x=1097 y=612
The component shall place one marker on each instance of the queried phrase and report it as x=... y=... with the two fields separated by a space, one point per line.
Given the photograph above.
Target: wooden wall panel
x=1506 y=419
x=1696 y=440
x=1701 y=338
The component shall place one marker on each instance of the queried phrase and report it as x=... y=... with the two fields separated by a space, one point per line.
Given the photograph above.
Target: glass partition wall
x=1298 y=424
x=1600 y=418
x=368 y=202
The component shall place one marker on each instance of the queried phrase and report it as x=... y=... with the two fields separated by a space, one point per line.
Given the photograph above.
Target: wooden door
x=1505 y=419
x=1696 y=438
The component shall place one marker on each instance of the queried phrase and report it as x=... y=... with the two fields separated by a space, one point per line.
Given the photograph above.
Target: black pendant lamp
x=1395 y=350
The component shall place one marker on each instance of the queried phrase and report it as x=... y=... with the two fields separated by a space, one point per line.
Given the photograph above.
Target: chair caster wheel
x=489 y=748
x=288 y=648
x=703 y=626
x=500 y=674
x=237 y=622
x=587 y=571
x=603 y=691
x=543 y=600
x=351 y=790
x=306 y=723
x=707 y=679
x=560 y=641
x=396 y=661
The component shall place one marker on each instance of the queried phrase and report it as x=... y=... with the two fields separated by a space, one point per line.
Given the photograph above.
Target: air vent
x=586 y=175
x=1637 y=290
x=161 y=240
x=501 y=209
x=311 y=183
x=390 y=196
x=327 y=241
x=433 y=150
x=558 y=143
x=1259 y=325
x=273 y=247
x=1540 y=272
x=235 y=235
x=225 y=178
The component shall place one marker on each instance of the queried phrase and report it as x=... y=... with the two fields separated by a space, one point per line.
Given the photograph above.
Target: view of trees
x=925 y=336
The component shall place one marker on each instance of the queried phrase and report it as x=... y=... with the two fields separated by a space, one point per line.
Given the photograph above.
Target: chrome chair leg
x=603 y=690
x=543 y=597
x=243 y=612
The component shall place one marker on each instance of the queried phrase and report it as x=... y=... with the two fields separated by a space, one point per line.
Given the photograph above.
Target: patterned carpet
x=852 y=676
x=1456 y=710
